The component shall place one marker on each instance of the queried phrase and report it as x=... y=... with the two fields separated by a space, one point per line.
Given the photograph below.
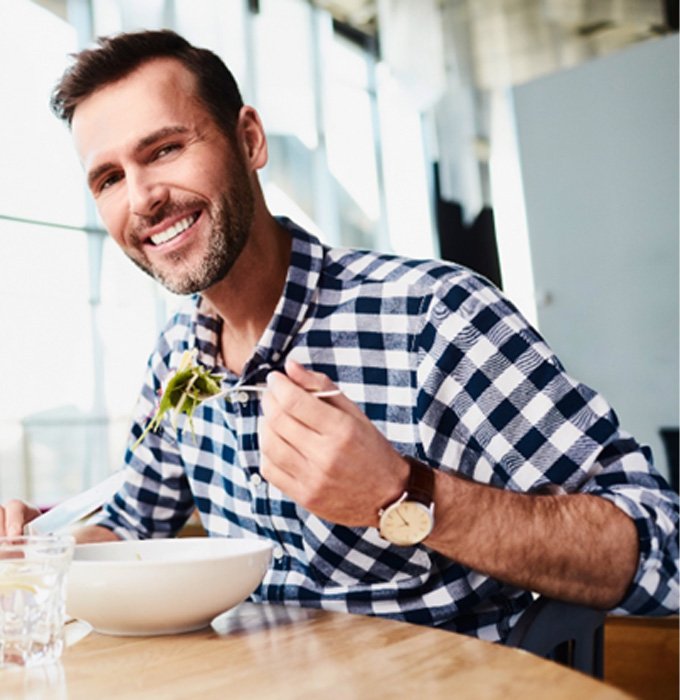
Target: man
x=459 y=469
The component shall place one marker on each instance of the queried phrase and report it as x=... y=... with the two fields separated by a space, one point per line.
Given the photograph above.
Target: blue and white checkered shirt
x=452 y=374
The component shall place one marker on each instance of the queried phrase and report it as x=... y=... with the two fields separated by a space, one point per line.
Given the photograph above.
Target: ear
x=252 y=138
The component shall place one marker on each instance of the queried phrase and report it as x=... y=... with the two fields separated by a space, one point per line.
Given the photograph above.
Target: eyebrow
x=141 y=145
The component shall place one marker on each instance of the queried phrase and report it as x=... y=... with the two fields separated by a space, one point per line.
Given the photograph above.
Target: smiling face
x=172 y=190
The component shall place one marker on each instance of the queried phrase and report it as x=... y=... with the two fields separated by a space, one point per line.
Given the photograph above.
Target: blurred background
x=535 y=141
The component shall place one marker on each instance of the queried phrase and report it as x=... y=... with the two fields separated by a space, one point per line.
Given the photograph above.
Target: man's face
x=171 y=188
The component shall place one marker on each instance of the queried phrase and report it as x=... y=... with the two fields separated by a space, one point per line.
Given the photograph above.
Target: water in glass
x=32 y=598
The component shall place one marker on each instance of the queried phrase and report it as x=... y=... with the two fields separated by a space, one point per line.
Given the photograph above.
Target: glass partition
x=79 y=320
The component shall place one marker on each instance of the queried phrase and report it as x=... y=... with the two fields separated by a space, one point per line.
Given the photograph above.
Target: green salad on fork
x=188 y=387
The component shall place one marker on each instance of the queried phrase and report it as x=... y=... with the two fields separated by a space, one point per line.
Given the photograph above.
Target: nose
x=146 y=196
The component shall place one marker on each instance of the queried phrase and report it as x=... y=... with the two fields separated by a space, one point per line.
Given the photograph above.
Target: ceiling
x=581 y=16
x=585 y=16
x=358 y=14
x=504 y=41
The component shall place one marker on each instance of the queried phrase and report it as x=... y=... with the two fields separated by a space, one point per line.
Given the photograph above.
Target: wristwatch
x=410 y=519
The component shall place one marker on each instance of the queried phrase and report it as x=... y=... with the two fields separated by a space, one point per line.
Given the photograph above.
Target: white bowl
x=164 y=586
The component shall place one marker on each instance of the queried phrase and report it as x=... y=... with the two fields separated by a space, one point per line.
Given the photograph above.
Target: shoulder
x=436 y=288
x=352 y=267
x=343 y=269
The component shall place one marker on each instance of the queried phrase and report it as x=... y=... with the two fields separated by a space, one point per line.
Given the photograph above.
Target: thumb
x=306 y=378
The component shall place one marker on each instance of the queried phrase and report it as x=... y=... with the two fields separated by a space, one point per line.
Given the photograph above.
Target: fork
x=263 y=387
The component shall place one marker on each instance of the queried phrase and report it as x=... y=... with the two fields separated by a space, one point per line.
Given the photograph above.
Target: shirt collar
x=304 y=270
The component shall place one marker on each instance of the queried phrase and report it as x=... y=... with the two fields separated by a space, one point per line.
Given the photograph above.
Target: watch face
x=406 y=523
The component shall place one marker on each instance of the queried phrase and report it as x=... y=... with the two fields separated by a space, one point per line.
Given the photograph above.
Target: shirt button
x=277 y=553
x=440 y=311
x=276 y=356
x=255 y=479
x=242 y=397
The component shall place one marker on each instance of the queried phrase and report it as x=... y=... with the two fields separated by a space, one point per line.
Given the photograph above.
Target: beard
x=231 y=218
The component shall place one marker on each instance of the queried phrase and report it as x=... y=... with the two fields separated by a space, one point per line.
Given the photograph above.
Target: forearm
x=94 y=533
x=578 y=548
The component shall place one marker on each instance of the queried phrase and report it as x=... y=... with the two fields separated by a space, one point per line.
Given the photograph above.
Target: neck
x=246 y=298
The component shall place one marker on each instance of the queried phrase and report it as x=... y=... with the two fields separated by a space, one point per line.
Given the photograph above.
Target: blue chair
x=569 y=634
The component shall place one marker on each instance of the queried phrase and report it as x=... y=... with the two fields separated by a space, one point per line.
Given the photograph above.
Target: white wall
x=598 y=146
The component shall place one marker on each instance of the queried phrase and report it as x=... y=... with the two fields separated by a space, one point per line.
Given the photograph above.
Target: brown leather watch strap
x=420 y=485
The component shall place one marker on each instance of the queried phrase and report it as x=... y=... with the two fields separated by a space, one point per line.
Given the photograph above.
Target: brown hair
x=117 y=56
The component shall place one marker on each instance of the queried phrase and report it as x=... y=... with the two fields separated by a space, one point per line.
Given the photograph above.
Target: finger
x=313 y=382
x=321 y=415
x=277 y=449
x=279 y=426
x=307 y=378
x=297 y=445
x=281 y=418
x=295 y=400
x=281 y=464
x=317 y=381
x=283 y=467
x=281 y=479
x=15 y=515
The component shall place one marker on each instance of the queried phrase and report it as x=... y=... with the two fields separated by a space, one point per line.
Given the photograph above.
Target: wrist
x=398 y=484
x=394 y=487
x=409 y=519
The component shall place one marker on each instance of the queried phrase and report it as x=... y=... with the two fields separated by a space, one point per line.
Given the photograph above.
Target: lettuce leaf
x=187 y=388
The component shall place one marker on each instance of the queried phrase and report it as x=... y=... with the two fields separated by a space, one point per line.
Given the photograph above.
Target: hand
x=325 y=454
x=14 y=515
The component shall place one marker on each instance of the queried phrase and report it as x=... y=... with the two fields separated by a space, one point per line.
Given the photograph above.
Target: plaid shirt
x=450 y=372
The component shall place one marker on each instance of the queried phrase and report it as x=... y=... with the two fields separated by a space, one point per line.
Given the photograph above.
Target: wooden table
x=262 y=652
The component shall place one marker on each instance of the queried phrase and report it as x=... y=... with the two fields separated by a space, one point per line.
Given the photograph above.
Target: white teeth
x=174 y=230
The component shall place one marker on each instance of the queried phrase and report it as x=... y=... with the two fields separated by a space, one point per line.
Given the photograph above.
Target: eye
x=165 y=150
x=109 y=181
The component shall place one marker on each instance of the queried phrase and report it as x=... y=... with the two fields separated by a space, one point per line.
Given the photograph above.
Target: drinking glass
x=33 y=573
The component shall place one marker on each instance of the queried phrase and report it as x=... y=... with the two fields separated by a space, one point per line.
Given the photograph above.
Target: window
x=78 y=319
